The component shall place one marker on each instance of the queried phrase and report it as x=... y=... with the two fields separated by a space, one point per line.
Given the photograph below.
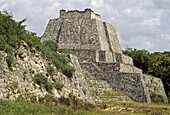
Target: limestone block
x=85 y=54
x=154 y=85
x=129 y=69
x=127 y=59
x=113 y=38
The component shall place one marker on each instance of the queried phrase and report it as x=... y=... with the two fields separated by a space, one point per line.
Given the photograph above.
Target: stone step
x=96 y=82
x=112 y=67
x=99 y=86
x=100 y=89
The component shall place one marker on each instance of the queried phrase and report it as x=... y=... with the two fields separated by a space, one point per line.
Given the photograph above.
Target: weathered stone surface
x=19 y=81
x=154 y=85
x=72 y=30
x=97 y=47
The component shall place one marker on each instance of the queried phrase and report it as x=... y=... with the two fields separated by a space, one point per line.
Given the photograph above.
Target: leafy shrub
x=0 y=58
x=51 y=44
x=48 y=86
x=10 y=60
x=68 y=70
x=31 y=71
x=50 y=70
x=64 y=101
x=40 y=79
x=58 y=86
x=8 y=49
x=14 y=85
x=75 y=103
x=19 y=53
x=2 y=42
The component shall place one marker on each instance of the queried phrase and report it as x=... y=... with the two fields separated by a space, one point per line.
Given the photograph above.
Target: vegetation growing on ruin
x=43 y=82
x=13 y=33
x=156 y=64
x=0 y=58
x=73 y=106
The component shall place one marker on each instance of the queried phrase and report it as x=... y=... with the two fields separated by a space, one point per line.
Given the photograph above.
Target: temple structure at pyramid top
x=87 y=13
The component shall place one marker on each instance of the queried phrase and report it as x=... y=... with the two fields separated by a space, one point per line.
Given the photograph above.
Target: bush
x=58 y=86
x=48 y=86
x=68 y=70
x=10 y=60
x=19 y=53
x=64 y=101
x=40 y=79
x=14 y=85
x=0 y=58
x=75 y=103
x=51 y=44
x=50 y=70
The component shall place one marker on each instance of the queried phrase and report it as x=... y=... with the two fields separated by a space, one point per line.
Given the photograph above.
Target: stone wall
x=32 y=62
x=52 y=30
x=130 y=83
x=112 y=38
x=86 y=14
x=154 y=85
x=72 y=30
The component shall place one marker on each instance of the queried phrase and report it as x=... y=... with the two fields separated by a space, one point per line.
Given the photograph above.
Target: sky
x=141 y=24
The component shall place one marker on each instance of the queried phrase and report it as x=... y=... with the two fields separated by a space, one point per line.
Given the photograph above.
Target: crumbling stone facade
x=97 y=47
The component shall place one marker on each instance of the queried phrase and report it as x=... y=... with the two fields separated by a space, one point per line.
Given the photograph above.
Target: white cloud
x=2 y=0
x=127 y=11
x=3 y=6
x=97 y=3
x=151 y=22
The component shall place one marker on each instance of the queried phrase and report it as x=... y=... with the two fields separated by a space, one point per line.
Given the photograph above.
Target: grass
x=19 y=108
x=121 y=108
x=138 y=108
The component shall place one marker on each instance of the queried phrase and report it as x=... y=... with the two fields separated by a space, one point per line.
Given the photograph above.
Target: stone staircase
x=101 y=90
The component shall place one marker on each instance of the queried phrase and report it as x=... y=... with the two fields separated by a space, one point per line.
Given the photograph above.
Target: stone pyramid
x=97 y=47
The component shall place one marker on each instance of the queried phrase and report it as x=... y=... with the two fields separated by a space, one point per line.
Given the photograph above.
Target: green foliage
x=75 y=103
x=68 y=70
x=14 y=85
x=141 y=58
x=50 y=70
x=156 y=64
x=0 y=58
x=19 y=53
x=31 y=71
x=12 y=33
x=58 y=86
x=39 y=79
x=42 y=81
x=25 y=108
x=156 y=98
x=10 y=60
x=25 y=71
x=52 y=45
